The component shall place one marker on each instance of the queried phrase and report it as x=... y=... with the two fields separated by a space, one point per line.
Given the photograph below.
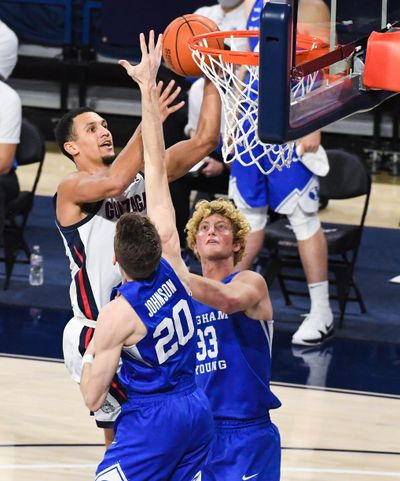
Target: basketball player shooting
x=90 y=201
x=150 y=327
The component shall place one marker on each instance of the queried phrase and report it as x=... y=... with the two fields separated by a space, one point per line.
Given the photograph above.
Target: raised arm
x=159 y=205
x=247 y=292
x=134 y=148
x=181 y=157
x=82 y=187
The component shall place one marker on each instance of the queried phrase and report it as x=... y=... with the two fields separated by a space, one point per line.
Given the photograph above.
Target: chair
x=31 y=150
x=347 y=178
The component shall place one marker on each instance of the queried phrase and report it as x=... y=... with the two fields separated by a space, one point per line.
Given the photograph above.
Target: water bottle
x=36 y=268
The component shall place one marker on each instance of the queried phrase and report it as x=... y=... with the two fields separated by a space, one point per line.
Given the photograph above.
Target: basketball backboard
x=284 y=114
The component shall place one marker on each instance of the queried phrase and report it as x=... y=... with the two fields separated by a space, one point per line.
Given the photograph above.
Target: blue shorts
x=281 y=190
x=160 y=437
x=243 y=451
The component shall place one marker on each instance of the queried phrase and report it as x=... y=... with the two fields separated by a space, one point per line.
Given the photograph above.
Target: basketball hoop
x=235 y=75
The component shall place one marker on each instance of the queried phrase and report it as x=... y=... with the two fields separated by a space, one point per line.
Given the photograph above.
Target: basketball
x=176 y=52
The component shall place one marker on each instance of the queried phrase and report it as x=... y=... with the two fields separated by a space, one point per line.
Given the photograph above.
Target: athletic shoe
x=314 y=330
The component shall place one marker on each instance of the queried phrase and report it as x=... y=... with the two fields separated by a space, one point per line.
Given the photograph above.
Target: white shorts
x=76 y=336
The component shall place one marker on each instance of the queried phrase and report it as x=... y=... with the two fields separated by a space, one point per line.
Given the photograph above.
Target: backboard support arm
x=277 y=50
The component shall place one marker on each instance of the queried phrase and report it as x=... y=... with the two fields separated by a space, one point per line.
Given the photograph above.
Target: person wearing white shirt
x=10 y=123
x=228 y=15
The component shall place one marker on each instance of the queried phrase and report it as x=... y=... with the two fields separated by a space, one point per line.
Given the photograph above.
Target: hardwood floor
x=46 y=433
x=384 y=207
x=42 y=419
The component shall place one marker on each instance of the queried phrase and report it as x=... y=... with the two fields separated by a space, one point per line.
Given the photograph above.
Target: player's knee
x=304 y=224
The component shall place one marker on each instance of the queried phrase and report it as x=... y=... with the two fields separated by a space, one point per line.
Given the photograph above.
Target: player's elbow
x=212 y=140
x=92 y=396
x=207 y=139
x=93 y=403
x=230 y=304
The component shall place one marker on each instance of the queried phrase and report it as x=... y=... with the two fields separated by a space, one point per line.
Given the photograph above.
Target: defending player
x=165 y=427
x=234 y=339
x=90 y=201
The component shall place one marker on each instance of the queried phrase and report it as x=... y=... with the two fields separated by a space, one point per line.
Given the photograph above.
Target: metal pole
x=384 y=18
x=332 y=36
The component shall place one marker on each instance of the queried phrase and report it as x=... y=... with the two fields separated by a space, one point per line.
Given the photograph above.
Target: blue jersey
x=253 y=23
x=234 y=363
x=283 y=189
x=164 y=360
x=258 y=150
x=164 y=404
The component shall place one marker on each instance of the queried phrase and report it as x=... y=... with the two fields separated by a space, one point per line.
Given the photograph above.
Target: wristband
x=87 y=359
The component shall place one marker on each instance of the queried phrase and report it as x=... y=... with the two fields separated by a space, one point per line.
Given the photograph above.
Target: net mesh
x=238 y=88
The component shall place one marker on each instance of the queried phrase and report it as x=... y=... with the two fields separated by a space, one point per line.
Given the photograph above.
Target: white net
x=238 y=89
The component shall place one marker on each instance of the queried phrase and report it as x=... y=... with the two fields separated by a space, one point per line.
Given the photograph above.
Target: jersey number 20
x=181 y=321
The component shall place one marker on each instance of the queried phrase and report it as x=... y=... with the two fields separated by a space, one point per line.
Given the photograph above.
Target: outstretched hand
x=145 y=72
x=166 y=97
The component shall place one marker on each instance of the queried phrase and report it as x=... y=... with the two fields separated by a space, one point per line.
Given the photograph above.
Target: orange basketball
x=176 y=52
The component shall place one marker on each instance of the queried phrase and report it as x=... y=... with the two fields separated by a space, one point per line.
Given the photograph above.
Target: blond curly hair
x=205 y=208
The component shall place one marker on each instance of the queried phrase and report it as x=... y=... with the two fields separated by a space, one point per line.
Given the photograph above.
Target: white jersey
x=10 y=115
x=8 y=50
x=89 y=246
x=233 y=20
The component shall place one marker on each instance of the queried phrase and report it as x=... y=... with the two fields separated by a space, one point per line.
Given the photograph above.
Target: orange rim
x=308 y=47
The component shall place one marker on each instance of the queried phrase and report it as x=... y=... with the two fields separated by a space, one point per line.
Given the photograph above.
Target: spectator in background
x=8 y=51
x=228 y=15
x=10 y=123
x=210 y=175
x=292 y=192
